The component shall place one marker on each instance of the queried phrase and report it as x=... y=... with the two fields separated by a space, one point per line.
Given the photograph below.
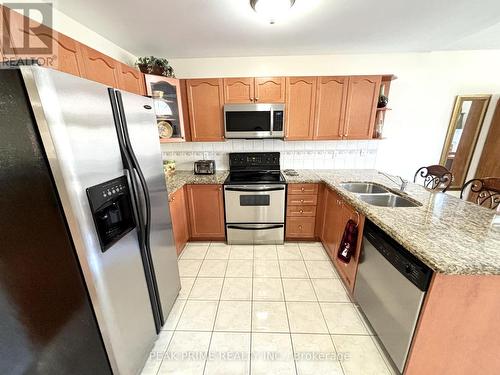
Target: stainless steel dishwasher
x=390 y=287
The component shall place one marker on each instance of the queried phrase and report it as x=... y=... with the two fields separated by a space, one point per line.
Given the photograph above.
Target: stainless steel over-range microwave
x=249 y=121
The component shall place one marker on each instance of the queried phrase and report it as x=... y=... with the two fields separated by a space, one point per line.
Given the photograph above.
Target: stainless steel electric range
x=254 y=196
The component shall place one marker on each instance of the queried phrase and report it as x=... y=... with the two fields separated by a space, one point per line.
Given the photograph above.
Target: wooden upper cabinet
x=131 y=80
x=300 y=103
x=100 y=67
x=269 y=90
x=205 y=100
x=331 y=100
x=362 y=101
x=166 y=94
x=238 y=90
x=66 y=54
x=206 y=212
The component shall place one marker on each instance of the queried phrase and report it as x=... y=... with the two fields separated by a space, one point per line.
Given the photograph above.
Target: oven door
x=253 y=121
x=255 y=203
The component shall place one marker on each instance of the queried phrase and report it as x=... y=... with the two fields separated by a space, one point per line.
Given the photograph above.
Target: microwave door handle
x=272 y=121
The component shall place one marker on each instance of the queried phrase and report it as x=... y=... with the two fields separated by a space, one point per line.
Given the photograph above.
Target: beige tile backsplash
x=296 y=155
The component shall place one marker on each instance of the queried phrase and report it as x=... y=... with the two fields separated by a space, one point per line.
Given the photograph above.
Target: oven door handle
x=277 y=226
x=255 y=189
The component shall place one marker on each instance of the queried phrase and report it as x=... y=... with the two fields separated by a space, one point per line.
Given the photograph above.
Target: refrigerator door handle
x=147 y=201
x=128 y=164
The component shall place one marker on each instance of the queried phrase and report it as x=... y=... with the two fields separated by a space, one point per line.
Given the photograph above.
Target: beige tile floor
x=263 y=310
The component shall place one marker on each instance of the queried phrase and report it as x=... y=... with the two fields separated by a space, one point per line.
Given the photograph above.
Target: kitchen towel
x=348 y=244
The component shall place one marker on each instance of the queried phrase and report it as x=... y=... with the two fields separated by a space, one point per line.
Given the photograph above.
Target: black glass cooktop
x=254 y=177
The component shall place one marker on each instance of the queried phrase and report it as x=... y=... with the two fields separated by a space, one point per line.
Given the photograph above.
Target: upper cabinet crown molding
x=254 y=90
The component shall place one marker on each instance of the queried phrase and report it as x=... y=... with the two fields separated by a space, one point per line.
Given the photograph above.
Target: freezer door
x=76 y=124
x=143 y=134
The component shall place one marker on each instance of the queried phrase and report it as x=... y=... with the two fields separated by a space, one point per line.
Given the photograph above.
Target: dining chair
x=483 y=191
x=434 y=178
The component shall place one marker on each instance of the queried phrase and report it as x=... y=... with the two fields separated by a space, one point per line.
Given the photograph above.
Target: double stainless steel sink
x=378 y=195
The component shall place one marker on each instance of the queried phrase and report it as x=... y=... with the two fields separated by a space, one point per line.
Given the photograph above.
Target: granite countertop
x=178 y=179
x=448 y=234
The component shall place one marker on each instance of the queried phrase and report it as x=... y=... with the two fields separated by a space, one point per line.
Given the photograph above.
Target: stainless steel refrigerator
x=103 y=159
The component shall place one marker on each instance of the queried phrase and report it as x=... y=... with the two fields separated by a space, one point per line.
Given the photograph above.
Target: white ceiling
x=218 y=28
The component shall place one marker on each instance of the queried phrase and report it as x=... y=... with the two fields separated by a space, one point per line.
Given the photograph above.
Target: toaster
x=204 y=167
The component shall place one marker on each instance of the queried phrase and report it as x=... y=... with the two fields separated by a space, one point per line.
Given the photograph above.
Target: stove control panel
x=254 y=161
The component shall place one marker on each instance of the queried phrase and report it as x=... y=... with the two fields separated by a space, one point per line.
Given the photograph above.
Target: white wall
x=422 y=97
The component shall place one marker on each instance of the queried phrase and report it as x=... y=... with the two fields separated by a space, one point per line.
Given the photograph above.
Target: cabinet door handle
x=300 y=226
x=256 y=99
x=302 y=189
x=301 y=201
x=301 y=211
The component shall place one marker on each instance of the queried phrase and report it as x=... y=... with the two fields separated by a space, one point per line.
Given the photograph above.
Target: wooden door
x=331 y=100
x=205 y=100
x=300 y=100
x=489 y=163
x=270 y=90
x=178 y=213
x=239 y=90
x=206 y=212
x=66 y=55
x=362 y=98
x=100 y=67
x=131 y=80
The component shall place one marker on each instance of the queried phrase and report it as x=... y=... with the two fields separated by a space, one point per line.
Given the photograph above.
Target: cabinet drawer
x=302 y=200
x=300 y=227
x=301 y=211
x=303 y=189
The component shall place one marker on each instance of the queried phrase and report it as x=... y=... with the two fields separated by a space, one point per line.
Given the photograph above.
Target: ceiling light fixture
x=271 y=10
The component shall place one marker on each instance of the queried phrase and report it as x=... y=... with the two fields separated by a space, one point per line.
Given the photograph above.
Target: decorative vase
x=382 y=99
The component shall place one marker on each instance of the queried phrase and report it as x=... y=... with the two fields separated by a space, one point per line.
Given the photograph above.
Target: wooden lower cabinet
x=180 y=224
x=336 y=215
x=301 y=212
x=206 y=212
x=300 y=227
